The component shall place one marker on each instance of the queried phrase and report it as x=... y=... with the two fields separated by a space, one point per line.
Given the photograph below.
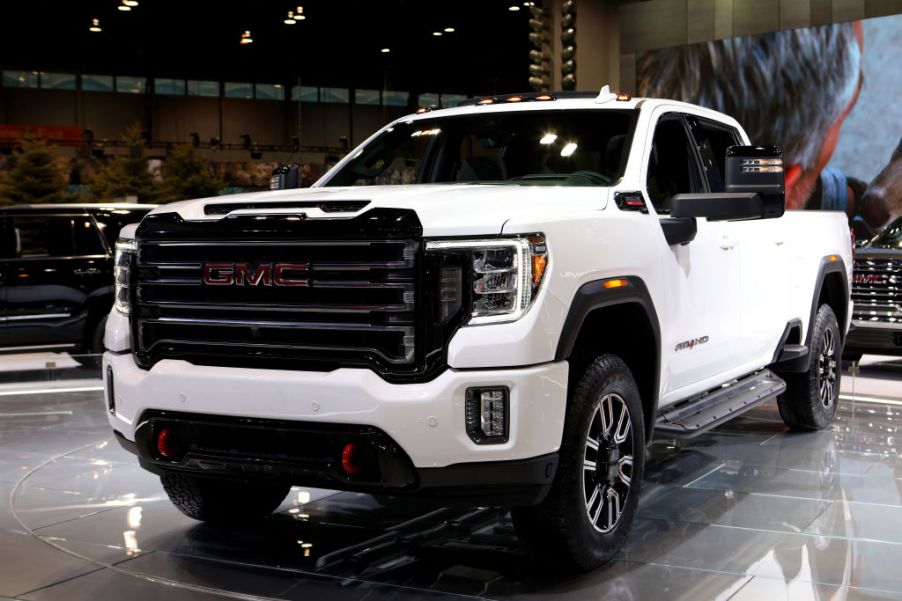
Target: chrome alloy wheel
x=608 y=462
x=826 y=371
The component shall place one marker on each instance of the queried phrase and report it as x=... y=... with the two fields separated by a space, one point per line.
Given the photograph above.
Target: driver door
x=702 y=280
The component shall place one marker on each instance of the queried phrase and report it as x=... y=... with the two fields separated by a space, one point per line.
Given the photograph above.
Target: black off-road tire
x=560 y=531
x=222 y=501
x=810 y=400
x=90 y=354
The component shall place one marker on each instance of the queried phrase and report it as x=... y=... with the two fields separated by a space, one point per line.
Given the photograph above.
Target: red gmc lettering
x=219 y=274
x=282 y=279
x=243 y=275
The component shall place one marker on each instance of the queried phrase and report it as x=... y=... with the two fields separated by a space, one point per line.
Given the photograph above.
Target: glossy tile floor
x=749 y=511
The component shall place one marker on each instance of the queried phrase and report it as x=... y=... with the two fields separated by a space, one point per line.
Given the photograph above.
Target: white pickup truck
x=493 y=304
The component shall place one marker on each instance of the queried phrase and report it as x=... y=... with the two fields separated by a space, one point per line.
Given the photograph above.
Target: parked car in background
x=877 y=294
x=56 y=275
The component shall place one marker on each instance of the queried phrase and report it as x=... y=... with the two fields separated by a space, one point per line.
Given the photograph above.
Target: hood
x=443 y=209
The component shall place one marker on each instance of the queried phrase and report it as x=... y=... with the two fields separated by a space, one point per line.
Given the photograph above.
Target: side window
x=671 y=167
x=85 y=237
x=54 y=236
x=713 y=140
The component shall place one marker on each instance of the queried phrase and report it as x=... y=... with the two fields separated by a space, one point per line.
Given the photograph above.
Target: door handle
x=727 y=243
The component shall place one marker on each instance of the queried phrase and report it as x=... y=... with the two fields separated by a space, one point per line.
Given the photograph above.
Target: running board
x=697 y=415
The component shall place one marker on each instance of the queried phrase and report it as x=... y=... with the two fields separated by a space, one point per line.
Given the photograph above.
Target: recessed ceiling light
x=385 y=50
x=449 y=30
x=124 y=8
x=130 y=2
x=513 y=8
x=95 y=26
x=246 y=38
x=289 y=20
x=437 y=34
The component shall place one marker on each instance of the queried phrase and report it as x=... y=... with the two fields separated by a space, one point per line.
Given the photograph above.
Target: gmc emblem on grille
x=265 y=274
x=868 y=278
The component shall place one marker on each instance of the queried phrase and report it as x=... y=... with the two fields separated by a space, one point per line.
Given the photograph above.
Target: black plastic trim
x=515 y=482
x=678 y=230
x=718 y=206
x=592 y=296
x=827 y=267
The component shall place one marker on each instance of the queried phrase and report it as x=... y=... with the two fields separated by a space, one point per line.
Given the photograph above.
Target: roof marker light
x=544 y=97
x=485 y=101
x=514 y=98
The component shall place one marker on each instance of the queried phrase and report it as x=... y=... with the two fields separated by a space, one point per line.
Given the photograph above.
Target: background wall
x=859 y=151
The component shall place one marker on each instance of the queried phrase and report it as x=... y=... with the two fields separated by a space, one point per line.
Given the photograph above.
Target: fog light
x=488 y=414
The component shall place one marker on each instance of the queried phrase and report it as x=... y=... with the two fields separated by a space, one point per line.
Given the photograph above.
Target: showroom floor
x=749 y=511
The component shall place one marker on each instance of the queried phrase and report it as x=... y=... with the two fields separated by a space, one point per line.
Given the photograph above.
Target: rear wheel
x=222 y=501
x=809 y=402
x=587 y=514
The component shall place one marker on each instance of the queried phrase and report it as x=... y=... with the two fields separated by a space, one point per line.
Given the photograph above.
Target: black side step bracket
x=699 y=414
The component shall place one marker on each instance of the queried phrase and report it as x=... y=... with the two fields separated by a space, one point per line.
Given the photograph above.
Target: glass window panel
x=305 y=94
x=20 y=79
x=131 y=85
x=58 y=81
x=169 y=87
x=338 y=95
x=430 y=100
x=367 y=97
x=239 y=90
x=203 y=88
x=452 y=99
x=270 y=91
x=395 y=98
x=97 y=83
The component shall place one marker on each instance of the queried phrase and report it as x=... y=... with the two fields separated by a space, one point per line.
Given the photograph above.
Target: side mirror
x=759 y=170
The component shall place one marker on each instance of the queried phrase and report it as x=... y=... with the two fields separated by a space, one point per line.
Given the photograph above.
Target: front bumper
x=426 y=420
x=874 y=338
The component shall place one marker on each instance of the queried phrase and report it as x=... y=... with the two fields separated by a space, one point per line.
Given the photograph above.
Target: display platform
x=747 y=511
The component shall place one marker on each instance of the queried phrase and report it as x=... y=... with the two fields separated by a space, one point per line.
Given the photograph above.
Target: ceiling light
x=95 y=26
x=289 y=20
x=246 y=38
x=513 y=8
x=437 y=34
x=299 y=13
x=568 y=149
x=449 y=30
x=131 y=3
x=548 y=139
x=385 y=50
x=124 y=8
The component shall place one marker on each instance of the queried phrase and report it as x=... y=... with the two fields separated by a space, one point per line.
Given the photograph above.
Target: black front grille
x=877 y=289
x=366 y=297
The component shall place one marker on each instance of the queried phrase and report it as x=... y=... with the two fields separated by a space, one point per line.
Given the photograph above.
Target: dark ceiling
x=337 y=45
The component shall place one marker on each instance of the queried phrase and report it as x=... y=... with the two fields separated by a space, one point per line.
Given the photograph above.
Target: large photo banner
x=829 y=95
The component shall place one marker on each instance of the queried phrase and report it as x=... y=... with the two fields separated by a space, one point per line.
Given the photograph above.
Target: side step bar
x=697 y=415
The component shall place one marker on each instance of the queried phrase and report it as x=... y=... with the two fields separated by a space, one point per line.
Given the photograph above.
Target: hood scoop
x=326 y=206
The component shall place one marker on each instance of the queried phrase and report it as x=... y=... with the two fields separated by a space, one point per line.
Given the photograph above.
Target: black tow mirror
x=758 y=170
x=285 y=177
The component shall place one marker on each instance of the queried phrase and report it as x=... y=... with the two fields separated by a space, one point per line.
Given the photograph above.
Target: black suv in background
x=877 y=294
x=56 y=274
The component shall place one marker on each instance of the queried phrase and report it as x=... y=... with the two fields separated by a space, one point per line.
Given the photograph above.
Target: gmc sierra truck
x=492 y=304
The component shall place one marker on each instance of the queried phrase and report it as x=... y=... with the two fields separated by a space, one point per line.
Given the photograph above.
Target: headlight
x=125 y=250
x=506 y=274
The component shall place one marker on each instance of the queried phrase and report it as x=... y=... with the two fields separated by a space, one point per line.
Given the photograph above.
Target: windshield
x=577 y=148
x=891 y=237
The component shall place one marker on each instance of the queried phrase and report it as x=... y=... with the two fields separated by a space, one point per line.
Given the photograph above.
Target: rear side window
x=36 y=236
x=713 y=140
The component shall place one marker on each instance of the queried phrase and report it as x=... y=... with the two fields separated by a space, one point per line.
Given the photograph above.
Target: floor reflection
x=747 y=511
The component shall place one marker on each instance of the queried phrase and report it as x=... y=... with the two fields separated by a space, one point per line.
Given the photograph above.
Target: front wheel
x=222 y=501
x=590 y=509
x=809 y=402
